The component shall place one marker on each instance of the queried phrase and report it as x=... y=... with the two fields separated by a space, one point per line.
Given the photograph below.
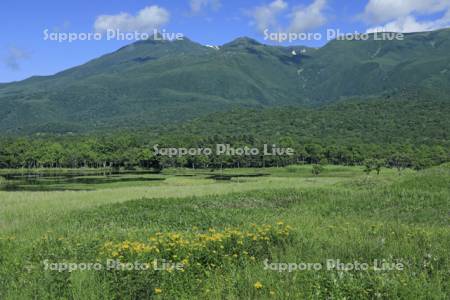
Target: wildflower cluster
x=202 y=249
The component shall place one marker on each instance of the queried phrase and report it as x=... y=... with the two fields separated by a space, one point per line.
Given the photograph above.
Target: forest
x=128 y=151
x=395 y=133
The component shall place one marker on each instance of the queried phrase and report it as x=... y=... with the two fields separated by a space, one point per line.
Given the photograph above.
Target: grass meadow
x=259 y=234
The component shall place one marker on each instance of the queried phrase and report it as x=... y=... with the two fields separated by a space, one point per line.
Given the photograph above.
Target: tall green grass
x=402 y=219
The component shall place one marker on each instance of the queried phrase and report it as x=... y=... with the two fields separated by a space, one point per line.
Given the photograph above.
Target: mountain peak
x=243 y=41
x=158 y=39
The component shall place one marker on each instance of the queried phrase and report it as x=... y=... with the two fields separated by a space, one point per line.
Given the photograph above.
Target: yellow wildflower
x=258 y=285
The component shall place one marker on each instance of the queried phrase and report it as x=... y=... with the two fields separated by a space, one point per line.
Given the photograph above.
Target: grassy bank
x=229 y=236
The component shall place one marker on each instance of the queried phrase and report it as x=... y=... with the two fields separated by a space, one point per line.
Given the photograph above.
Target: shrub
x=317 y=169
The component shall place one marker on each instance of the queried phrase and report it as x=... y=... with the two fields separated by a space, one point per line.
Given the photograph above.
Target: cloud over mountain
x=300 y=18
x=404 y=15
x=146 y=20
x=265 y=16
x=198 y=5
x=310 y=17
x=14 y=57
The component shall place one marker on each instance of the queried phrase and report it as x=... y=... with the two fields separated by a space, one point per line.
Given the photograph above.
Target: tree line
x=134 y=151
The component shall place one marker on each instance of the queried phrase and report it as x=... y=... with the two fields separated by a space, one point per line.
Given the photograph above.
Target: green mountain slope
x=152 y=82
x=349 y=122
x=350 y=68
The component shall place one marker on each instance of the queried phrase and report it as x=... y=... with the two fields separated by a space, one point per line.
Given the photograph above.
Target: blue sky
x=24 y=52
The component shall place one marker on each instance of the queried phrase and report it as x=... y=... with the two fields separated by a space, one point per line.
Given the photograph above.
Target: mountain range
x=156 y=82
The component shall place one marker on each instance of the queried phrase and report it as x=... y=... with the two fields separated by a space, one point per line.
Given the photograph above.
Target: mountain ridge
x=152 y=82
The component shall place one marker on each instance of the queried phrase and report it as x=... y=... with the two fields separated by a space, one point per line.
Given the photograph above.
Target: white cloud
x=309 y=17
x=266 y=16
x=379 y=11
x=300 y=18
x=199 y=5
x=401 y=15
x=410 y=24
x=14 y=57
x=146 y=20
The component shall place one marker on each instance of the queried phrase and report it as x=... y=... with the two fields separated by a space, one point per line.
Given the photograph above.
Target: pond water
x=89 y=180
x=72 y=180
x=226 y=177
